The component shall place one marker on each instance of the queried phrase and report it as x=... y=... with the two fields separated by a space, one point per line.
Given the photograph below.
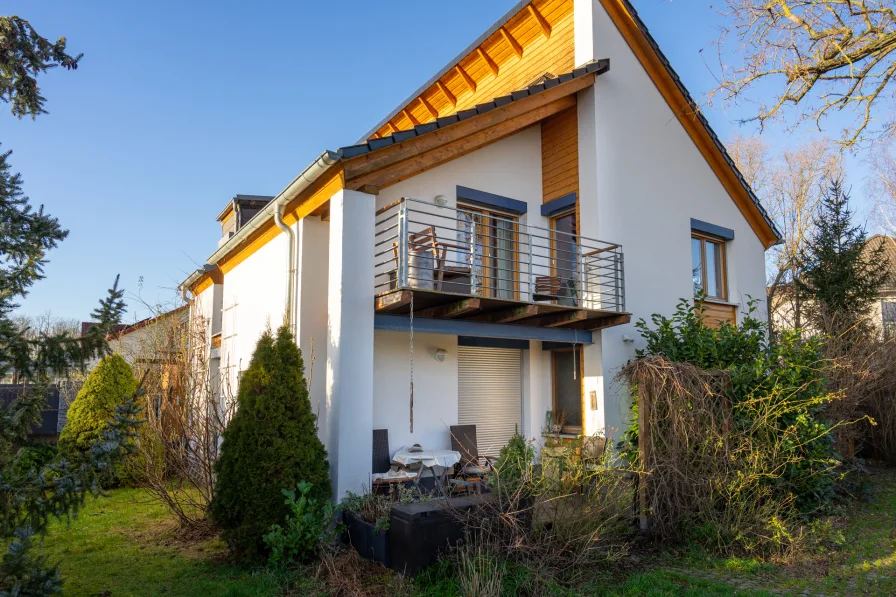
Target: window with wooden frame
x=495 y=249
x=566 y=382
x=708 y=266
x=564 y=256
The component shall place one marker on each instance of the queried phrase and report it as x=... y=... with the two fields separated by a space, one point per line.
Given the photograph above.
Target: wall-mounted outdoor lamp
x=441 y=200
x=441 y=353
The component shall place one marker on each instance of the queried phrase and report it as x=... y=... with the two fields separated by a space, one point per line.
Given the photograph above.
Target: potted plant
x=366 y=519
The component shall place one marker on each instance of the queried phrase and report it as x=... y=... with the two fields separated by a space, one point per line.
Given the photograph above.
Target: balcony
x=458 y=263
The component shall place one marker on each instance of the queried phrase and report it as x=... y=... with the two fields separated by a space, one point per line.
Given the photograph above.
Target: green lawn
x=123 y=545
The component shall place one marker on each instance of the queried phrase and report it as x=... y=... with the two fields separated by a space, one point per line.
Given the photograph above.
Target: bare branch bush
x=713 y=475
x=559 y=519
x=863 y=374
x=813 y=59
x=187 y=407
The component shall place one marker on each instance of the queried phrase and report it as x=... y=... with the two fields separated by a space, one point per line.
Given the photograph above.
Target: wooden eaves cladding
x=399 y=161
x=536 y=40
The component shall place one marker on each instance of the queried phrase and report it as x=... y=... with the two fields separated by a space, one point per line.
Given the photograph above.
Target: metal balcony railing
x=424 y=246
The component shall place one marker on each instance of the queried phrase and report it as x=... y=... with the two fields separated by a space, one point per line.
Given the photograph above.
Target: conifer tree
x=29 y=499
x=841 y=275
x=269 y=445
x=110 y=384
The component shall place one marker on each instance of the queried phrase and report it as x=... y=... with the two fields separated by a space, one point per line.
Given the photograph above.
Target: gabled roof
x=542 y=30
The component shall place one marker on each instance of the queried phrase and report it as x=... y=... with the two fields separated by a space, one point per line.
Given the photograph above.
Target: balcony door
x=564 y=257
x=493 y=249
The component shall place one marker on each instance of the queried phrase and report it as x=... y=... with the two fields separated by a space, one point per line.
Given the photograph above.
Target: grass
x=123 y=545
x=855 y=555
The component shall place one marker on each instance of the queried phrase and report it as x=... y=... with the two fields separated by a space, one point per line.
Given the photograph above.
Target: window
x=495 y=250
x=888 y=318
x=567 y=388
x=708 y=266
x=565 y=257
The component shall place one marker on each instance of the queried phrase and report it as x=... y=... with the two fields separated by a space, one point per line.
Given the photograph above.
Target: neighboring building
x=148 y=340
x=469 y=216
x=884 y=312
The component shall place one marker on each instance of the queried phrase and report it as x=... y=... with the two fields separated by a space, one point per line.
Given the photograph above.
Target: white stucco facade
x=641 y=180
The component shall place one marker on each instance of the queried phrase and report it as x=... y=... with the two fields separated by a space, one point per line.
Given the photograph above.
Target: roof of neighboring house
x=597 y=67
x=86 y=325
x=889 y=244
x=119 y=331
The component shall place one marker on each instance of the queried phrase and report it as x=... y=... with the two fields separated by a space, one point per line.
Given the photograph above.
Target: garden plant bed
x=369 y=541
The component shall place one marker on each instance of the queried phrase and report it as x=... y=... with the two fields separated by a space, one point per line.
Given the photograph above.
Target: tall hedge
x=110 y=384
x=270 y=444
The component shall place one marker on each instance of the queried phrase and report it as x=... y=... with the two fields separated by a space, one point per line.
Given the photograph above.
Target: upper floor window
x=708 y=266
x=564 y=257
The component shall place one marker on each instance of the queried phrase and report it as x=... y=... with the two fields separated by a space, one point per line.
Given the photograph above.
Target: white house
x=493 y=238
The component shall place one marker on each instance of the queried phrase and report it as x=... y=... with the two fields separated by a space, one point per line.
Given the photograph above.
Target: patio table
x=427 y=459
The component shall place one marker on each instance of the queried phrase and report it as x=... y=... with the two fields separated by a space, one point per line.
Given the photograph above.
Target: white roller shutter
x=489 y=394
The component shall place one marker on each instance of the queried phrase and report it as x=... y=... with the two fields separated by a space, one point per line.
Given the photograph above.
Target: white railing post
x=620 y=297
x=403 y=243
x=581 y=259
x=531 y=277
x=474 y=281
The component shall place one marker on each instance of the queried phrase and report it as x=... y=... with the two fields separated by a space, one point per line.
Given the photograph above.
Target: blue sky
x=177 y=106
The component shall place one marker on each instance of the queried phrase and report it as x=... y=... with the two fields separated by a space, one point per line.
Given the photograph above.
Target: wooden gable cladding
x=535 y=41
x=400 y=161
x=560 y=155
x=715 y=314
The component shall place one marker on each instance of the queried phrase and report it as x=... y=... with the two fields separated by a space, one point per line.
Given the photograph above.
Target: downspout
x=291 y=317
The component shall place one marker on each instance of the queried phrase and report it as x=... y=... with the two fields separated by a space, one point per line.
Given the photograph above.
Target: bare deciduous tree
x=882 y=184
x=187 y=406
x=790 y=186
x=814 y=57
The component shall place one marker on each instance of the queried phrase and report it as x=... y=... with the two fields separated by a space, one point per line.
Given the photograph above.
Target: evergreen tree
x=109 y=385
x=270 y=444
x=30 y=498
x=841 y=276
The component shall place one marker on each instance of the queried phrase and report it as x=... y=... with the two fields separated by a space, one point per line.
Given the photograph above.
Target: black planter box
x=367 y=540
x=418 y=533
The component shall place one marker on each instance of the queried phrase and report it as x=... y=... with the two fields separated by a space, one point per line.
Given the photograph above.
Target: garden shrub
x=514 y=463
x=307 y=530
x=737 y=447
x=110 y=384
x=32 y=458
x=270 y=442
